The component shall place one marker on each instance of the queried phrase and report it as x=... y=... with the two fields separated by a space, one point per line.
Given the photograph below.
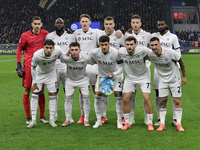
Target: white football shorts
x=130 y=84
x=174 y=87
x=82 y=84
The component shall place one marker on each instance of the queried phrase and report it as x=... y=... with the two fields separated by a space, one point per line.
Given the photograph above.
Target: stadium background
x=15 y=16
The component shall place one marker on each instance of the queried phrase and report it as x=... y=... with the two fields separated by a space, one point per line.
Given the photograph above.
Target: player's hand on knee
x=34 y=87
x=110 y=75
x=20 y=70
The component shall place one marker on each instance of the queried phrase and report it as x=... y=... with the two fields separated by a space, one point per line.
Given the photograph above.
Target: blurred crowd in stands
x=16 y=15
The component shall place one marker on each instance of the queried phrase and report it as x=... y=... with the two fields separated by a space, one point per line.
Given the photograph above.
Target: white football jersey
x=87 y=40
x=45 y=64
x=106 y=63
x=168 y=40
x=134 y=65
x=76 y=70
x=114 y=41
x=143 y=37
x=166 y=65
x=63 y=42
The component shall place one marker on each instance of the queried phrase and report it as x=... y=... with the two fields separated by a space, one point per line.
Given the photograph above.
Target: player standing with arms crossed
x=30 y=42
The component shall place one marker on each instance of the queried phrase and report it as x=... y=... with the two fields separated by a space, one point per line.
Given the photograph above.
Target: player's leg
x=97 y=105
x=174 y=121
x=52 y=103
x=148 y=110
x=132 y=104
x=163 y=95
x=69 y=91
x=126 y=110
x=118 y=97
x=27 y=82
x=85 y=90
x=34 y=105
x=177 y=93
x=104 y=104
x=41 y=103
x=156 y=82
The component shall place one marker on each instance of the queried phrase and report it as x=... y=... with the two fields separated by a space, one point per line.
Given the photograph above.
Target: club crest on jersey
x=143 y=37
x=115 y=39
x=166 y=59
x=138 y=56
x=82 y=63
x=111 y=58
x=66 y=38
x=167 y=39
x=91 y=33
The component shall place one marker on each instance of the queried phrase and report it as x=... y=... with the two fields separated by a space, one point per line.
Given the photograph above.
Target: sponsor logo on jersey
x=165 y=44
x=113 y=44
x=163 y=64
x=62 y=43
x=75 y=68
x=105 y=62
x=132 y=61
x=87 y=38
x=48 y=62
x=37 y=42
x=140 y=42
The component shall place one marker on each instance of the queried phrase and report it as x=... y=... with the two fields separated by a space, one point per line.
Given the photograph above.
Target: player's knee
x=125 y=100
x=118 y=93
x=177 y=103
x=27 y=91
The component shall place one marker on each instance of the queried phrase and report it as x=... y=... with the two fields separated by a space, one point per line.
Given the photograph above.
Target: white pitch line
x=8 y=60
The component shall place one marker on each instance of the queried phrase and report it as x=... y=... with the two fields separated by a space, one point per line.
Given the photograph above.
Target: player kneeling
x=43 y=72
x=76 y=77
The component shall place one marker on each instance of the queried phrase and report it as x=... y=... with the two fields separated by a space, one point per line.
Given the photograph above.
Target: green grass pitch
x=15 y=135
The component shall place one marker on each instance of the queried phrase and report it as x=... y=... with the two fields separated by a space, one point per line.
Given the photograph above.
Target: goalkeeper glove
x=20 y=70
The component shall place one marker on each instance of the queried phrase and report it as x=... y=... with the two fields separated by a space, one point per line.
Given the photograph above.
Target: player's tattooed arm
x=183 y=80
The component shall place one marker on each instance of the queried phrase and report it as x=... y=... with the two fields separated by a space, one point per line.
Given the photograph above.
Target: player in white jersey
x=167 y=40
x=61 y=39
x=143 y=38
x=107 y=59
x=115 y=42
x=164 y=61
x=76 y=77
x=43 y=72
x=136 y=74
x=88 y=40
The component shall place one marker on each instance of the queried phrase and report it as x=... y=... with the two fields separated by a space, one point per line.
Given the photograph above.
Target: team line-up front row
x=111 y=63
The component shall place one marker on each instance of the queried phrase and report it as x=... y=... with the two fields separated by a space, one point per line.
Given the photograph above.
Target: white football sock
x=68 y=107
x=158 y=106
x=163 y=112
x=86 y=107
x=174 y=114
x=34 y=105
x=56 y=114
x=52 y=107
x=81 y=103
x=132 y=104
x=97 y=107
x=119 y=107
x=127 y=118
x=104 y=104
x=178 y=112
x=149 y=118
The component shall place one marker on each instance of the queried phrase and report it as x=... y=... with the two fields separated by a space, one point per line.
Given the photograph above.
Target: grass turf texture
x=15 y=135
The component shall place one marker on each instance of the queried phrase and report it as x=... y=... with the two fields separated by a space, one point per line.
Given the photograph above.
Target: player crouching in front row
x=44 y=62
x=76 y=77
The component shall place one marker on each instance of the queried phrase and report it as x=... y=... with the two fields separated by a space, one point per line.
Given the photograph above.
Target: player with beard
x=164 y=60
x=61 y=39
x=143 y=38
x=167 y=40
x=30 y=42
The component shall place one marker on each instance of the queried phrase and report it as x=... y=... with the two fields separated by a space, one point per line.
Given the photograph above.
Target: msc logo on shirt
x=163 y=64
x=62 y=43
x=165 y=44
x=37 y=42
x=88 y=38
x=75 y=68
x=140 y=42
x=105 y=62
x=132 y=61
